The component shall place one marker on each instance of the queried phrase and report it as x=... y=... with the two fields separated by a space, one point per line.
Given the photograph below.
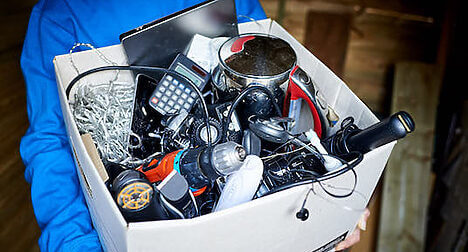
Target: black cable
x=325 y=190
x=338 y=141
x=206 y=203
x=315 y=154
x=147 y=69
x=272 y=175
x=342 y=195
x=303 y=213
x=348 y=167
x=241 y=96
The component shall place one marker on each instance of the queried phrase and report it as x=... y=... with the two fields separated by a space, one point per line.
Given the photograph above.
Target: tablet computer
x=158 y=43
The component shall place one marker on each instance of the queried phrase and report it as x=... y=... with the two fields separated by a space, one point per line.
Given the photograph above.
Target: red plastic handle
x=238 y=45
x=294 y=92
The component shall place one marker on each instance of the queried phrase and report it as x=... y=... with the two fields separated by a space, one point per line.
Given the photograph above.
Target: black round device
x=200 y=131
x=135 y=197
x=271 y=130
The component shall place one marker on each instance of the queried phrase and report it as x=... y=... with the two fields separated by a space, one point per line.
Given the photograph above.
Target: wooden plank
x=453 y=232
x=379 y=42
x=327 y=36
x=376 y=42
x=406 y=188
x=409 y=8
x=368 y=239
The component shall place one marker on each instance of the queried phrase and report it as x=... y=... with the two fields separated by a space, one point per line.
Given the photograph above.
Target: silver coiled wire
x=104 y=110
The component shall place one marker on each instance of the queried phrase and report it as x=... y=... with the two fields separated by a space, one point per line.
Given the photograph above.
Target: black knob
x=303 y=214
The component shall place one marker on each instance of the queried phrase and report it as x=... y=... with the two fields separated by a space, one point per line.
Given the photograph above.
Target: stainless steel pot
x=254 y=59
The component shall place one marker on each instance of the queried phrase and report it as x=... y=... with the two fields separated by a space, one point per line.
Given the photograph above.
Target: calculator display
x=182 y=70
x=172 y=94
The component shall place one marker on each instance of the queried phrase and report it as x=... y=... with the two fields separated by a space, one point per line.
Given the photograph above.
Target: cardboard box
x=264 y=224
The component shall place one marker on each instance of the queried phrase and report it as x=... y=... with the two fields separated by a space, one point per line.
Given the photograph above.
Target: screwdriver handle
x=392 y=128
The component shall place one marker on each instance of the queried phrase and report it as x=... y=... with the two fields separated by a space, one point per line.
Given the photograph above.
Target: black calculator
x=172 y=95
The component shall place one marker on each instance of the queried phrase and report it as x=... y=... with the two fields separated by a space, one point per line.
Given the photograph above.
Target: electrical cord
x=202 y=206
x=241 y=96
x=337 y=146
x=338 y=141
x=294 y=139
x=354 y=174
x=194 y=203
x=147 y=69
x=347 y=167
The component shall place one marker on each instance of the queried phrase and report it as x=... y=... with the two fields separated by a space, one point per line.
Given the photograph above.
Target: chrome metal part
x=228 y=157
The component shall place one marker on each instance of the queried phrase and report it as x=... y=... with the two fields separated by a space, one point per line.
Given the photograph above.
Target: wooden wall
x=382 y=33
x=19 y=230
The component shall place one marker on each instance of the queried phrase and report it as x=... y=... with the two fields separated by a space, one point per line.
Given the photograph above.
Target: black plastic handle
x=392 y=128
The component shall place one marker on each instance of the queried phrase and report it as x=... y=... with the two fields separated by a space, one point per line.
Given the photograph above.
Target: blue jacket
x=54 y=26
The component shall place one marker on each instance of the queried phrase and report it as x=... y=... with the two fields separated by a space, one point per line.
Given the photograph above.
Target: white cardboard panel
x=265 y=224
x=104 y=212
x=269 y=223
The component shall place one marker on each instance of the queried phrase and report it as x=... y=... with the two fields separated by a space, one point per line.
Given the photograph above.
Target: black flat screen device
x=158 y=43
x=145 y=120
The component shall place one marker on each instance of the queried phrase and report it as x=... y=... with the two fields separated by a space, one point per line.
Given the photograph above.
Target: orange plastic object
x=158 y=173
x=199 y=191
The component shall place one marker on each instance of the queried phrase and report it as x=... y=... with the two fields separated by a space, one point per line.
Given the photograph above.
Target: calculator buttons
x=172 y=94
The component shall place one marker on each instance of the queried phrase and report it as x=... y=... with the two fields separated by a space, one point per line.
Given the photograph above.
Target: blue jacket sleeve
x=249 y=8
x=58 y=201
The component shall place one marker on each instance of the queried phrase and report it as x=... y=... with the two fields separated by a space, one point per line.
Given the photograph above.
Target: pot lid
x=257 y=55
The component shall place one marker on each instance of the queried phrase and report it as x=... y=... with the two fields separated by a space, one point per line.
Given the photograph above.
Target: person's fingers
x=356 y=235
x=366 y=214
x=362 y=224
x=350 y=241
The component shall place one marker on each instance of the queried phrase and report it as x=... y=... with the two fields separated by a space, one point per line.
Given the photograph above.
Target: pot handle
x=219 y=80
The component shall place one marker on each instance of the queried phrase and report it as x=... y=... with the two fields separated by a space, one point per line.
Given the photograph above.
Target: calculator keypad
x=170 y=96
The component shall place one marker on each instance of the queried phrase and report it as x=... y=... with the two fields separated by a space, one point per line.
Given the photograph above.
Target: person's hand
x=356 y=235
